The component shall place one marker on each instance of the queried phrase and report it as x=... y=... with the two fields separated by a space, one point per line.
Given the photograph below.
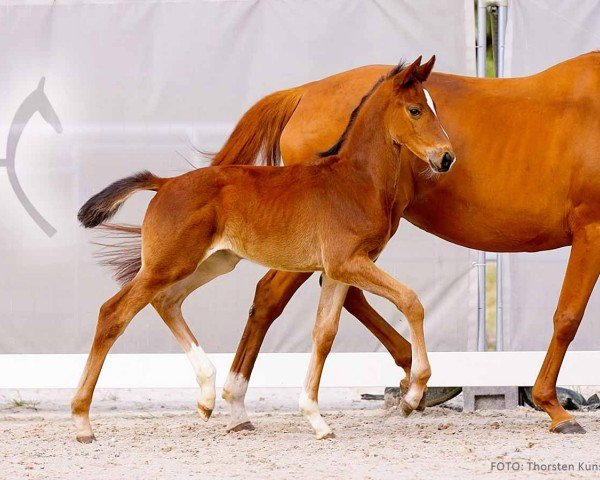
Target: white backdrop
x=134 y=83
x=539 y=35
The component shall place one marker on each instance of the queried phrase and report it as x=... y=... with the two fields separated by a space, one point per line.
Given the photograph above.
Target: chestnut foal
x=334 y=215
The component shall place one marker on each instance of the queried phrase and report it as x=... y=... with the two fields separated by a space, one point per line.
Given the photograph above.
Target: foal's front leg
x=326 y=325
x=361 y=272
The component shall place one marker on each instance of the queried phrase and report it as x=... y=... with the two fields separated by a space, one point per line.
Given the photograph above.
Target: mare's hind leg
x=582 y=272
x=331 y=301
x=168 y=305
x=114 y=316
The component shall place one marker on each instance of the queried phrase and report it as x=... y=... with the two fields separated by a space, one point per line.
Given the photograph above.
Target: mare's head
x=411 y=119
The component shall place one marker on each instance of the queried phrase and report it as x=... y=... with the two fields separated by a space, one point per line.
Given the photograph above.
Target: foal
x=334 y=215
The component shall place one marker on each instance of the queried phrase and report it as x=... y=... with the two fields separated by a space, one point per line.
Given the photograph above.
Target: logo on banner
x=36 y=101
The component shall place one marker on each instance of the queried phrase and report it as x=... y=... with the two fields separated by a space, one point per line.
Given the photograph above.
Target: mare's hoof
x=326 y=436
x=405 y=408
x=204 y=412
x=244 y=426
x=570 y=426
x=86 y=438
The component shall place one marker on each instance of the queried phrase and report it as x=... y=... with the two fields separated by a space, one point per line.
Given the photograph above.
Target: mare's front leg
x=361 y=272
x=328 y=316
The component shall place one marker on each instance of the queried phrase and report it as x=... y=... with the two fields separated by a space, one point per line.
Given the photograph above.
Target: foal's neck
x=370 y=152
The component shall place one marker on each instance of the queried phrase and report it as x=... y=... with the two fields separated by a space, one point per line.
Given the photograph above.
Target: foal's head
x=411 y=119
x=408 y=114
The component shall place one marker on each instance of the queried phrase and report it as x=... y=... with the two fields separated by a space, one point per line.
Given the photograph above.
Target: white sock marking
x=310 y=409
x=234 y=393
x=205 y=375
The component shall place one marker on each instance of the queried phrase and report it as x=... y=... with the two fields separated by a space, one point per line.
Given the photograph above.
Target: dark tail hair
x=104 y=205
x=123 y=256
x=255 y=138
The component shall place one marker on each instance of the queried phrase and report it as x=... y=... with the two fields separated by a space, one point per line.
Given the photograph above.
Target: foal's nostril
x=447 y=160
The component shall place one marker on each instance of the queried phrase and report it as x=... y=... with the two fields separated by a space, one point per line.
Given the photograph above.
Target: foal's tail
x=256 y=136
x=121 y=250
x=104 y=205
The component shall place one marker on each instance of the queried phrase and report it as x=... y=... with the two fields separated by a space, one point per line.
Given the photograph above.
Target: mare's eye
x=415 y=112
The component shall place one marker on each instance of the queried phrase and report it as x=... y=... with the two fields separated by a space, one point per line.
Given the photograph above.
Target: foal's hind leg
x=164 y=263
x=168 y=305
x=114 y=317
x=326 y=325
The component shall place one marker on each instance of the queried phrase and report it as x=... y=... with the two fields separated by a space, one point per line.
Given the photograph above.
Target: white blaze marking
x=432 y=106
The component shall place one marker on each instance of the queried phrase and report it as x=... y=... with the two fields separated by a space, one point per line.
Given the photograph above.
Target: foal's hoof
x=403 y=387
x=204 y=412
x=423 y=403
x=86 y=438
x=325 y=436
x=244 y=426
x=569 y=426
x=405 y=408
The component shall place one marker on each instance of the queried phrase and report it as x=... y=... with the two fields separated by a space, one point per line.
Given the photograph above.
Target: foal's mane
x=338 y=145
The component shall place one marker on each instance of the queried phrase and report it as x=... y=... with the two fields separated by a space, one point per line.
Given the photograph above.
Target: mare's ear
x=407 y=75
x=422 y=72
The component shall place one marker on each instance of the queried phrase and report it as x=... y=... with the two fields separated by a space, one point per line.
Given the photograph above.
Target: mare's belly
x=495 y=231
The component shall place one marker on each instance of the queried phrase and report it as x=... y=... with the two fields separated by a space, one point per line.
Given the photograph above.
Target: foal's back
x=279 y=217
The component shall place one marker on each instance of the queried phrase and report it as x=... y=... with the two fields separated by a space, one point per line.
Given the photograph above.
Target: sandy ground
x=157 y=435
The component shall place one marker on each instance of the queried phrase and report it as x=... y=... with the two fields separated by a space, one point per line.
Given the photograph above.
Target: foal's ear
x=422 y=72
x=407 y=75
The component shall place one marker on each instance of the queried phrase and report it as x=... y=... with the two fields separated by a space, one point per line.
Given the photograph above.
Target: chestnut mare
x=528 y=179
x=304 y=218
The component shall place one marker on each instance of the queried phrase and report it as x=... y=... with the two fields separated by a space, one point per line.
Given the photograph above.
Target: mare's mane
x=338 y=145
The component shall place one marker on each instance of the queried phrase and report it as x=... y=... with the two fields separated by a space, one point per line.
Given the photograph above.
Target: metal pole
x=481 y=301
x=502 y=10
x=481 y=53
x=481 y=36
x=501 y=29
x=499 y=305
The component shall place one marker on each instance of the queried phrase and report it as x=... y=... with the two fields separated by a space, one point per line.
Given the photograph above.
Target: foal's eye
x=415 y=112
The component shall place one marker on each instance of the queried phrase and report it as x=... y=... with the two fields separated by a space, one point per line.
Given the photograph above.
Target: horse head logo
x=36 y=101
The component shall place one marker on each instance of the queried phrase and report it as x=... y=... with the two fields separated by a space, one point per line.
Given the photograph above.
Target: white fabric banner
x=542 y=33
x=131 y=85
x=532 y=283
x=539 y=35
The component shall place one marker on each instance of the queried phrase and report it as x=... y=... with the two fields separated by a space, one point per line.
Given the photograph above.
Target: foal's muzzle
x=443 y=163
x=447 y=161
